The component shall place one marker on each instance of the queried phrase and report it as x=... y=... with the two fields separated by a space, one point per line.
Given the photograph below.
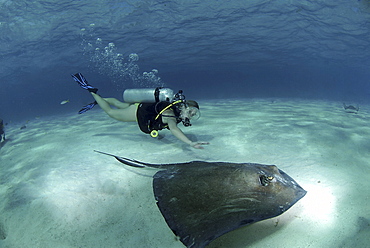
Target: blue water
x=210 y=49
x=226 y=49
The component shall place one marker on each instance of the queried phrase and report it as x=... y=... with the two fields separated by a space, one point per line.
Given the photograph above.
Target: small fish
x=64 y=102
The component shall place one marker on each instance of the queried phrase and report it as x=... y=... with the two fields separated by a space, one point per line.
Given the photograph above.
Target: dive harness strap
x=154 y=133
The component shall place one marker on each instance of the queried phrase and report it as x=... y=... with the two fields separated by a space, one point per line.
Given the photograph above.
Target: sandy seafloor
x=56 y=192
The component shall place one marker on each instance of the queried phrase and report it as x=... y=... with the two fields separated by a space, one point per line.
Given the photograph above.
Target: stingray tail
x=126 y=161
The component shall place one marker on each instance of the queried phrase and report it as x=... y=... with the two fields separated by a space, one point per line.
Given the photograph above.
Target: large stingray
x=201 y=201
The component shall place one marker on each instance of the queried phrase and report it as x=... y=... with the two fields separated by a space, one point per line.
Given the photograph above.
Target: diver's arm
x=172 y=125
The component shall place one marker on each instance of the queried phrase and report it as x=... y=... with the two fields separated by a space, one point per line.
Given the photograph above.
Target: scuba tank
x=148 y=95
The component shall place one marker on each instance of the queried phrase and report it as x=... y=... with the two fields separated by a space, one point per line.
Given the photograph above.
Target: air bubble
x=133 y=57
x=121 y=69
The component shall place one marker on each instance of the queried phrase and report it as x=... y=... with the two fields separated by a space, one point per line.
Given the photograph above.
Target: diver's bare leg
x=125 y=114
x=116 y=103
x=102 y=103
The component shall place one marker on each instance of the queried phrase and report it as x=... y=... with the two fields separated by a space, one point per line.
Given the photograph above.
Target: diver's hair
x=192 y=103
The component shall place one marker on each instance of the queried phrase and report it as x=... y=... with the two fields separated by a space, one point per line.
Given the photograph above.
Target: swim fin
x=87 y=107
x=80 y=79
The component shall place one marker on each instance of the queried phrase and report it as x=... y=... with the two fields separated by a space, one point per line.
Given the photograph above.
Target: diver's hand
x=198 y=144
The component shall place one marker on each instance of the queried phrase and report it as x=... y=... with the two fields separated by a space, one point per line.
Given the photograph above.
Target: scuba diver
x=2 y=133
x=154 y=111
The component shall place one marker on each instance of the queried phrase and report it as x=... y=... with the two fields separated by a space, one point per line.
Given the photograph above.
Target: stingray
x=200 y=201
x=351 y=108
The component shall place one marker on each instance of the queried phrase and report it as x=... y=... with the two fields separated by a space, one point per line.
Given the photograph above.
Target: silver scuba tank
x=148 y=95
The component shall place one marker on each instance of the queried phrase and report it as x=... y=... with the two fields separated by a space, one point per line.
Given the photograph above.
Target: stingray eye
x=265 y=180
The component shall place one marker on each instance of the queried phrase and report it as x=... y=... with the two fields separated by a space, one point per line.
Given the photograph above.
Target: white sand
x=56 y=192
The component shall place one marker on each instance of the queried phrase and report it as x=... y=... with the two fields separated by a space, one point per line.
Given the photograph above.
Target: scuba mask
x=186 y=113
x=189 y=113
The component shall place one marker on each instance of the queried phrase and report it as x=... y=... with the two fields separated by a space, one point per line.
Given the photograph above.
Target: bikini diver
x=151 y=117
